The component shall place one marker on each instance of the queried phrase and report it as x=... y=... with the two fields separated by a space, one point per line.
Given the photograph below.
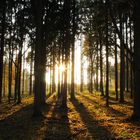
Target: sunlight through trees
x=64 y=49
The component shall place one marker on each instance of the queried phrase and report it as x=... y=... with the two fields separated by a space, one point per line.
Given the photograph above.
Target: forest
x=69 y=69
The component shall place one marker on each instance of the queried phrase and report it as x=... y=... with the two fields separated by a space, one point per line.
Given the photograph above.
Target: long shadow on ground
x=58 y=125
x=21 y=125
x=96 y=131
x=113 y=101
x=110 y=110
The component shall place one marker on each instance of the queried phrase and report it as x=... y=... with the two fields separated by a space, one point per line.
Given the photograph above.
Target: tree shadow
x=58 y=127
x=109 y=109
x=21 y=125
x=94 y=128
x=113 y=101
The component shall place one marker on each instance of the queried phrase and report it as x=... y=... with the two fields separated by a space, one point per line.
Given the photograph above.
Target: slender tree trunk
x=31 y=72
x=16 y=80
x=19 y=74
x=91 y=76
x=101 y=66
x=9 y=74
x=23 y=75
x=4 y=80
x=2 y=47
x=127 y=61
x=107 y=63
x=81 y=84
x=67 y=47
x=73 y=52
x=122 y=63
x=131 y=63
x=97 y=67
x=72 y=71
x=53 y=78
x=59 y=73
x=116 y=68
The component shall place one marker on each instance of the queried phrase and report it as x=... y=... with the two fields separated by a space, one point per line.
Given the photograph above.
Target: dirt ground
x=86 y=118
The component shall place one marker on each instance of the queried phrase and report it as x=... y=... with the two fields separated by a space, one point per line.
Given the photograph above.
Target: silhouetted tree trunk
x=97 y=67
x=116 y=68
x=19 y=68
x=10 y=73
x=4 y=79
x=136 y=113
x=101 y=65
x=2 y=46
x=53 y=66
x=131 y=63
x=31 y=72
x=127 y=56
x=10 y=62
x=59 y=58
x=81 y=84
x=91 y=76
x=66 y=49
x=73 y=51
x=107 y=63
x=16 y=79
x=40 y=58
x=23 y=75
x=122 y=62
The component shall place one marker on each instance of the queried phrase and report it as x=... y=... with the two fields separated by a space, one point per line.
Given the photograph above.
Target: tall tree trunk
x=4 y=80
x=97 y=67
x=2 y=47
x=116 y=68
x=23 y=75
x=31 y=72
x=136 y=113
x=73 y=52
x=59 y=72
x=40 y=59
x=107 y=63
x=9 y=74
x=91 y=76
x=131 y=63
x=67 y=47
x=53 y=76
x=127 y=61
x=122 y=63
x=16 y=79
x=19 y=74
x=101 y=65
x=81 y=84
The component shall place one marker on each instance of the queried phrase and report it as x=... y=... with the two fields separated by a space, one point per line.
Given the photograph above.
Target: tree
x=107 y=54
x=73 y=50
x=40 y=58
x=3 y=4
x=66 y=48
x=136 y=113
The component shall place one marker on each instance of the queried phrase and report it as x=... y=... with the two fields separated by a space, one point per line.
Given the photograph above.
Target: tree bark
x=2 y=47
x=107 y=63
x=73 y=53
x=101 y=65
x=67 y=48
x=122 y=63
x=116 y=68
x=136 y=113
x=40 y=59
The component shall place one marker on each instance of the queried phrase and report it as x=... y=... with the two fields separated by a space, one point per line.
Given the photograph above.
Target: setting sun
x=61 y=68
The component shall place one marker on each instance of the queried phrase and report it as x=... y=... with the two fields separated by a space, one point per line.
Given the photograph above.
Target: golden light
x=62 y=68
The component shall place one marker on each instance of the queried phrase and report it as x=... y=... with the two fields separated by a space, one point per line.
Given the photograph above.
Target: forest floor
x=86 y=118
